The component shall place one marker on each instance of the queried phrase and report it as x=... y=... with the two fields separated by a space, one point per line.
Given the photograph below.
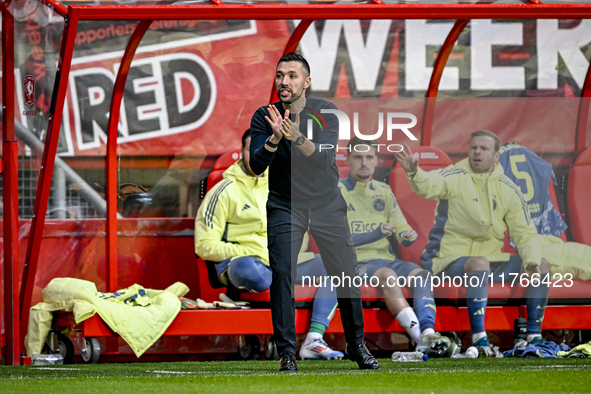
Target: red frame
x=115 y=109
x=438 y=67
x=17 y=299
x=12 y=342
x=258 y=321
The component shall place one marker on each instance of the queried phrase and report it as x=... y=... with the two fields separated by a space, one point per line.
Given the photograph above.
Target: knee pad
x=249 y=274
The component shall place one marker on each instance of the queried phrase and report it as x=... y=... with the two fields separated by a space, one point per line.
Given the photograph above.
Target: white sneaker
x=485 y=349
x=318 y=350
x=436 y=345
x=520 y=344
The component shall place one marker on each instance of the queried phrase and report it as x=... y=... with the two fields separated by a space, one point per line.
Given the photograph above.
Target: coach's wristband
x=271 y=145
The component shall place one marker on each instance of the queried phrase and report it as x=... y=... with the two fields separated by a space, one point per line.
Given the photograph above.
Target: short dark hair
x=245 y=136
x=487 y=133
x=295 y=57
x=353 y=142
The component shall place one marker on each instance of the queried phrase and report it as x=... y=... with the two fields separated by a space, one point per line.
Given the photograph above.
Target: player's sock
x=423 y=300
x=476 y=298
x=537 y=299
x=317 y=328
x=483 y=341
x=409 y=321
x=323 y=309
x=478 y=335
x=531 y=337
x=427 y=332
x=312 y=335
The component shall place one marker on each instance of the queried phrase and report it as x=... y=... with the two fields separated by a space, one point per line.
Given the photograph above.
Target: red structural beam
x=583 y=114
x=258 y=321
x=112 y=134
x=10 y=197
x=433 y=89
x=46 y=170
x=291 y=46
x=333 y=11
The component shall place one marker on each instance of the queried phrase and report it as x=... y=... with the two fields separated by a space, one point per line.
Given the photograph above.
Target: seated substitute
x=477 y=203
x=231 y=232
x=374 y=215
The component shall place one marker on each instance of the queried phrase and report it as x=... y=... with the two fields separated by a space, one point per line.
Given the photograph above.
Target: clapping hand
x=407 y=160
x=276 y=121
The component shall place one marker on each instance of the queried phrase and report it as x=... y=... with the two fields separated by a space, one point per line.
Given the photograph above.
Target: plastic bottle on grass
x=519 y=330
x=409 y=357
x=47 y=359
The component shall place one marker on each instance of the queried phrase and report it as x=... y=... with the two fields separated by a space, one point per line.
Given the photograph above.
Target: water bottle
x=47 y=359
x=409 y=357
x=519 y=330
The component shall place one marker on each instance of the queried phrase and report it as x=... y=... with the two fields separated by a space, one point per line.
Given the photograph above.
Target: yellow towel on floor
x=140 y=316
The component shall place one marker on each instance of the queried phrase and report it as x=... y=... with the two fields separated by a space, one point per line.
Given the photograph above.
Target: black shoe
x=288 y=362
x=361 y=355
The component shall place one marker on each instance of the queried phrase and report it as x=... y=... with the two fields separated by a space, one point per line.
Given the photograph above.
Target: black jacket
x=294 y=179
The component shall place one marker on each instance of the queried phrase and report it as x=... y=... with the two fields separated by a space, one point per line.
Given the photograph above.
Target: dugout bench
x=569 y=307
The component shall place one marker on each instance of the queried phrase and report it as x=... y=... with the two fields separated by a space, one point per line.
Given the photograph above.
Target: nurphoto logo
x=392 y=120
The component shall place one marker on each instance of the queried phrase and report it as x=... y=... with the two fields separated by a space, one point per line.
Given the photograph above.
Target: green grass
x=433 y=376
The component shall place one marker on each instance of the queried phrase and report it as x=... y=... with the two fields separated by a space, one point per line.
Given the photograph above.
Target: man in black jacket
x=304 y=195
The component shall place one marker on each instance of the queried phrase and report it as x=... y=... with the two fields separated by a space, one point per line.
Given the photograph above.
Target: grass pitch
x=433 y=376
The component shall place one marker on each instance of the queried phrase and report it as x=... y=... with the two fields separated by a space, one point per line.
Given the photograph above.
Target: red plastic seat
x=302 y=294
x=575 y=290
x=341 y=160
x=370 y=293
x=554 y=199
x=222 y=164
x=577 y=196
x=419 y=212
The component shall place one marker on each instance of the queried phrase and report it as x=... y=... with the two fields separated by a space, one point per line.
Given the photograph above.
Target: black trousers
x=329 y=226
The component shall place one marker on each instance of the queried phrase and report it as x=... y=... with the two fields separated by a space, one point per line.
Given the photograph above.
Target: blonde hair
x=487 y=133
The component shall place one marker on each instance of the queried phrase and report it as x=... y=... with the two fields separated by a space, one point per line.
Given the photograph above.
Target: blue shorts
x=245 y=272
x=401 y=267
x=499 y=268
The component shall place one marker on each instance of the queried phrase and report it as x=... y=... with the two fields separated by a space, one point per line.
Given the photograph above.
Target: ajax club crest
x=29 y=89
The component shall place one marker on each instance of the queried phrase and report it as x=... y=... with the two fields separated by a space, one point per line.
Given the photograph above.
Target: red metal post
x=442 y=57
x=291 y=46
x=583 y=114
x=47 y=162
x=12 y=348
x=112 y=134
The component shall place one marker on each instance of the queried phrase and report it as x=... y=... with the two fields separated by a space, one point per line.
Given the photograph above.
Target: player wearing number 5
x=477 y=203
